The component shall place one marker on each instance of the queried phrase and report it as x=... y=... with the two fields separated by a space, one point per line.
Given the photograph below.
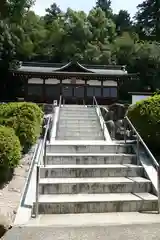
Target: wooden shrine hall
x=45 y=82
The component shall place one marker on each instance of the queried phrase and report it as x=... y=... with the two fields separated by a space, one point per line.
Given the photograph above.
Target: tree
x=77 y=34
x=105 y=5
x=124 y=48
x=148 y=19
x=52 y=13
x=146 y=62
x=123 y=21
x=11 y=15
x=33 y=37
x=14 y=10
x=102 y=28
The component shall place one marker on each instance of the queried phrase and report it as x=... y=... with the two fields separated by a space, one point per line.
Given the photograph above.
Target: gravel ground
x=123 y=232
x=10 y=194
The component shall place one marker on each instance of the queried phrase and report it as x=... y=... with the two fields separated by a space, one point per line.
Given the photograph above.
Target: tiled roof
x=46 y=69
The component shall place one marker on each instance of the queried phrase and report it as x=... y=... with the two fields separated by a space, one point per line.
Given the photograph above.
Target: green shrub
x=25 y=119
x=145 y=115
x=10 y=148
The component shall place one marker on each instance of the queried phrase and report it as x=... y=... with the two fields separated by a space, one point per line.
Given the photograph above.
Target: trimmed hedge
x=145 y=115
x=25 y=119
x=10 y=148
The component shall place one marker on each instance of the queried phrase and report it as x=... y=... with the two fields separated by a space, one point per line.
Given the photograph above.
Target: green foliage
x=11 y=18
x=10 y=148
x=147 y=19
x=25 y=119
x=123 y=21
x=52 y=13
x=105 y=5
x=145 y=115
x=97 y=37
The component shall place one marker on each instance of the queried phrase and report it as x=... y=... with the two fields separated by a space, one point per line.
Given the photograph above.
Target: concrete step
x=96 y=203
x=86 y=158
x=76 y=118
x=82 y=110
x=79 y=129
x=79 y=116
x=75 y=127
x=86 y=171
x=75 y=106
x=78 y=113
x=79 y=122
x=93 y=185
x=79 y=138
x=81 y=133
x=71 y=106
x=77 y=148
x=93 y=225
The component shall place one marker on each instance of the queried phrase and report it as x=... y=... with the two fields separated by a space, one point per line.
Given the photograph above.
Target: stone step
x=80 y=138
x=109 y=158
x=93 y=185
x=96 y=203
x=74 y=148
x=86 y=171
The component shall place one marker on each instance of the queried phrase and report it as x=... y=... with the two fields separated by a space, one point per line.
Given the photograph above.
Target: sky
x=85 y=5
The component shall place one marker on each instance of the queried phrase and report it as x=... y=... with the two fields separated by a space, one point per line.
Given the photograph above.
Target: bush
x=10 y=151
x=145 y=115
x=25 y=119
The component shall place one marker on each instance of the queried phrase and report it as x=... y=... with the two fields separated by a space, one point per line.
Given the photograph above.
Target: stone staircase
x=79 y=122
x=93 y=177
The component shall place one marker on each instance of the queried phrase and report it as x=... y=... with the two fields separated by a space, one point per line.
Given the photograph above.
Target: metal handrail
x=157 y=166
x=57 y=121
x=100 y=113
x=142 y=141
x=42 y=154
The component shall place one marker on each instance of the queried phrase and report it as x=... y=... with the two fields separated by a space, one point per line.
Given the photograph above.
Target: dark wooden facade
x=76 y=83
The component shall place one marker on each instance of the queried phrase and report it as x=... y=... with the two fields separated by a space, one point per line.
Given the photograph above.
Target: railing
x=139 y=141
x=95 y=103
x=42 y=158
x=57 y=121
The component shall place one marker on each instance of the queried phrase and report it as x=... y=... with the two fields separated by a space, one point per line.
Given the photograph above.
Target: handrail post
x=45 y=149
x=158 y=187
x=125 y=130
x=138 y=143
x=103 y=127
x=37 y=192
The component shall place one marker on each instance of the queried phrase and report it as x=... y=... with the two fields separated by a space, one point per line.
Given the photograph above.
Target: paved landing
x=124 y=232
